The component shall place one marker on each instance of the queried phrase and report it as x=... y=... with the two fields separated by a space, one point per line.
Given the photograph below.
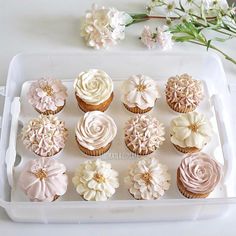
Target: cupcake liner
x=187 y=193
x=85 y=107
x=142 y=153
x=96 y=152
x=50 y=112
x=137 y=110
x=187 y=149
x=181 y=109
x=49 y=155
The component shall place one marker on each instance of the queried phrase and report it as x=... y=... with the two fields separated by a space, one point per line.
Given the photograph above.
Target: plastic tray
x=122 y=207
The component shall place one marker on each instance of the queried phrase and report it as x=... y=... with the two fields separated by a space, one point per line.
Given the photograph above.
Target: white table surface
x=52 y=26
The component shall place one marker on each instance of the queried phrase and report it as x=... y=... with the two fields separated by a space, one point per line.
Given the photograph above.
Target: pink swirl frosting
x=45 y=135
x=43 y=179
x=184 y=91
x=144 y=133
x=47 y=94
x=199 y=173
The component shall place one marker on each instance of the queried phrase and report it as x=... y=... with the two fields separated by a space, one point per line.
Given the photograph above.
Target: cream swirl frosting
x=184 y=91
x=144 y=132
x=199 y=173
x=95 y=130
x=191 y=130
x=43 y=179
x=148 y=179
x=45 y=135
x=94 y=86
x=140 y=91
x=96 y=180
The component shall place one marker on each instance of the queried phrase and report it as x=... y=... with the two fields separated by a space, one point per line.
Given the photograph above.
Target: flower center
x=193 y=127
x=40 y=174
x=48 y=90
x=146 y=177
x=141 y=87
x=99 y=178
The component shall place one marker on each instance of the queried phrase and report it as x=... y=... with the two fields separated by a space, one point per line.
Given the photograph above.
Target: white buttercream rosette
x=148 y=179
x=95 y=130
x=95 y=180
x=140 y=91
x=94 y=86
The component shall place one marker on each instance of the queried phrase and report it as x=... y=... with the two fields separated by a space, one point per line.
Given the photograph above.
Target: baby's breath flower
x=170 y=7
x=185 y=18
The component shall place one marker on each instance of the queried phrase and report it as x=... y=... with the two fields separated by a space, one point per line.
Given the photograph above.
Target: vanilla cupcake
x=190 y=132
x=198 y=175
x=95 y=132
x=43 y=180
x=183 y=94
x=139 y=93
x=95 y=180
x=93 y=90
x=148 y=179
x=144 y=134
x=47 y=96
x=45 y=135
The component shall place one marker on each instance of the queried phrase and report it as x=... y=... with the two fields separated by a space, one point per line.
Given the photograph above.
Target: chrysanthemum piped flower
x=103 y=27
x=160 y=38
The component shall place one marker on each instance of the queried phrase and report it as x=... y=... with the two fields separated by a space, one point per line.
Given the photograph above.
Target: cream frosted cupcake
x=144 y=134
x=183 y=94
x=198 y=175
x=190 y=132
x=93 y=90
x=95 y=180
x=43 y=180
x=95 y=132
x=139 y=93
x=148 y=179
x=47 y=96
x=45 y=135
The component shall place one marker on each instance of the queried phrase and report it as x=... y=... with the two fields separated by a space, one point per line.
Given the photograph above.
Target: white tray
x=122 y=207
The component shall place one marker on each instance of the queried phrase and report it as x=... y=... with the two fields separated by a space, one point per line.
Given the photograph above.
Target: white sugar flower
x=103 y=27
x=161 y=38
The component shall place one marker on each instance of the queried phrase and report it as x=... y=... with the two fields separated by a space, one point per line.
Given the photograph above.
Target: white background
x=53 y=26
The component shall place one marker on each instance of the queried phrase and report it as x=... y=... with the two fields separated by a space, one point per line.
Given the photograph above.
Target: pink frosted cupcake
x=45 y=135
x=43 y=180
x=47 y=96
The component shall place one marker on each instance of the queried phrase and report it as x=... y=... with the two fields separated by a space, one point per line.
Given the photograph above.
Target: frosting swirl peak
x=199 y=173
x=95 y=130
x=94 y=86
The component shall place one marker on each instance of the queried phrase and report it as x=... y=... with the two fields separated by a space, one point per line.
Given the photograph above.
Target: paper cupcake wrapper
x=85 y=107
x=49 y=112
x=137 y=110
x=142 y=153
x=187 y=149
x=181 y=109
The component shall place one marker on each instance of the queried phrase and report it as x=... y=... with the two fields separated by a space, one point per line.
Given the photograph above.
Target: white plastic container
x=28 y=67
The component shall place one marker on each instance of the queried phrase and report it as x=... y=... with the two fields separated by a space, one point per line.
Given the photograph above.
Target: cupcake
x=95 y=180
x=183 y=94
x=94 y=133
x=148 y=179
x=45 y=135
x=93 y=90
x=43 y=180
x=198 y=175
x=190 y=132
x=143 y=134
x=47 y=96
x=139 y=93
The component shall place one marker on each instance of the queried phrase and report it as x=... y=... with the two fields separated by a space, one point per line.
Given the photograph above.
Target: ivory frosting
x=43 y=179
x=190 y=130
x=93 y=86
x=199 y=173
x=148 y=179
x=139 y=91
x=95 y=180
x=95 y=130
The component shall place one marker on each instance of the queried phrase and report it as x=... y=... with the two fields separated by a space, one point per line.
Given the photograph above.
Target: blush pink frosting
x=43 y=179
x=199 y=173
x=45 y=135
x=47 y=94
